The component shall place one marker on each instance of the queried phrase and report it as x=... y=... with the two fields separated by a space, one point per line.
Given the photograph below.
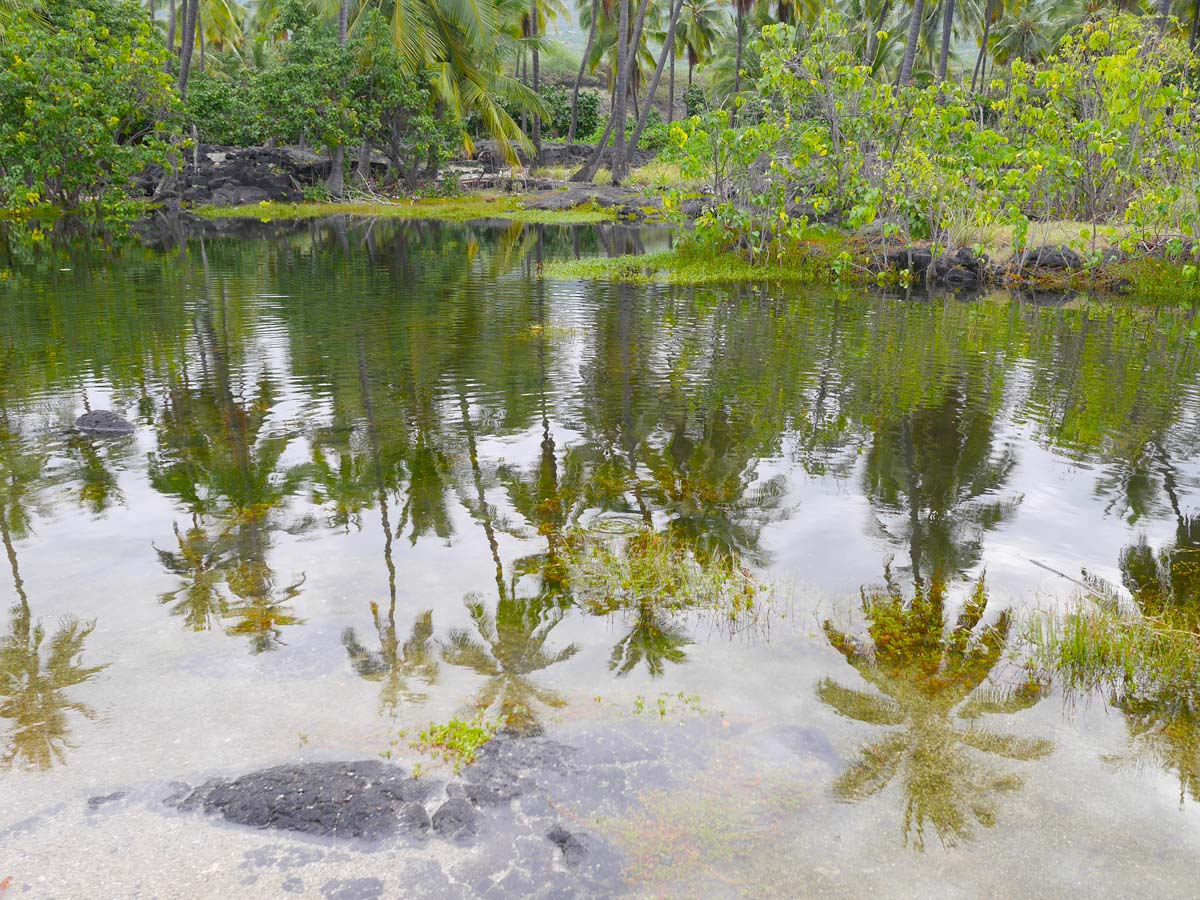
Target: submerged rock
x=364 y=799
x=455 y=819
x=573 y=846
x=103 y=423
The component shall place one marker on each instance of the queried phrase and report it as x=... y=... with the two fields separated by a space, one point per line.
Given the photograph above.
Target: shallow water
x=362 y=450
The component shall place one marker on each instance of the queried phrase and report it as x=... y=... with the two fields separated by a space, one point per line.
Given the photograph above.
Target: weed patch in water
x=685 y=266
x=455 y=742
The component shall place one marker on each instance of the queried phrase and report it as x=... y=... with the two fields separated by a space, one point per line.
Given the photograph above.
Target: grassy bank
x=457 y=209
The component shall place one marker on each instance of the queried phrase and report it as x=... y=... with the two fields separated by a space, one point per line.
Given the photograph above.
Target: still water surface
x=362 y=450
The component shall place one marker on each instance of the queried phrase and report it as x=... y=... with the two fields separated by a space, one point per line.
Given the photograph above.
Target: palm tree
x=929 y=682
x=697 y=34
x=592 y=24
x=460 y=44
x=741 y=10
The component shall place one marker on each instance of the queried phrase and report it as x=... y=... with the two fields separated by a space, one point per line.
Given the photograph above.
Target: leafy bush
x=1107 y=129
x=226 y=109
x=84 y=103
x=694 y=100
x=587 y=114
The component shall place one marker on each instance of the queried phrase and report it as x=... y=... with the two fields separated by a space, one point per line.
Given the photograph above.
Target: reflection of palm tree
x=395 y=662
x=33 y=689
x=926 y=680
x=1162 y=715
x=651 y=639
x=510 y=647
x=937 y=464
x=259 y=613
x=98 y=488
x=211 y=457
x=200 y=564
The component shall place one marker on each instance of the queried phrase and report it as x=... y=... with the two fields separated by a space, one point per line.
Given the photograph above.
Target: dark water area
x=364 y=457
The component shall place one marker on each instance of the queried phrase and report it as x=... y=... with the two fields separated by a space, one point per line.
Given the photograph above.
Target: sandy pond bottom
x=627 y=796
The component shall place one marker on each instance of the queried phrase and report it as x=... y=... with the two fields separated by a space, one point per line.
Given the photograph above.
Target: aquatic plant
x=1145 y=659
x=457 y=741
x=932 y=684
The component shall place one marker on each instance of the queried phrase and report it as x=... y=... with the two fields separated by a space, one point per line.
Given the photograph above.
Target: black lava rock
x=1057 y=258
x=915 y=259
x=103 y=423
x=352 y=799
x=455 y=819
x=962 y=269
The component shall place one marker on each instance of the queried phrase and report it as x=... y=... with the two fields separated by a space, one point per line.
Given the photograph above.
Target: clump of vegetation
x=456 y=742
x=1142 y=653
x=692 y=265
x=652 y=568
x=85 y=104
x=1097 y=645
x=1104 y=131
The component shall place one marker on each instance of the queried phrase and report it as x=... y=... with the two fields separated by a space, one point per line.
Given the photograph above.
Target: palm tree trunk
x=691 y=68
x=1195 y=25
x=188 y=38
x=737 y=69
x=910 y=49
x=1164 y=13
x=873 y=37
x=200 y=41
x=537 y=120
x=947 y=26
x=668 y=49
x=617 y=165
x=671 y=93
x=337 y=165
x=981 y=60
x=170 y=35
x=587 y=51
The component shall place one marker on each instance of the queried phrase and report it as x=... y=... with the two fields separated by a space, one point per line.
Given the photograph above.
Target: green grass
x=686 y=266
x=456 y=742
x=459 y=209
x=1094 y=647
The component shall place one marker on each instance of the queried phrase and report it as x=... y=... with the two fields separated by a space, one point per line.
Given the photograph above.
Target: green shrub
x=85 y=103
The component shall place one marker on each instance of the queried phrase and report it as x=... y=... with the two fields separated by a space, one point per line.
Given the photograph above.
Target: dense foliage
x=84 y=103
x=1105 y=132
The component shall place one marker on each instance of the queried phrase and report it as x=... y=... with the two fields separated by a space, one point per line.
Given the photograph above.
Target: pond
x=739 y=573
